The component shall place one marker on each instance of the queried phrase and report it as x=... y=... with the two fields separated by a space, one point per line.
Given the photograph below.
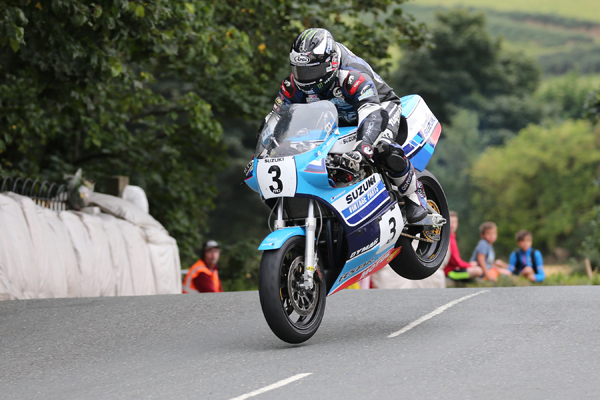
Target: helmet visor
x=307 y=74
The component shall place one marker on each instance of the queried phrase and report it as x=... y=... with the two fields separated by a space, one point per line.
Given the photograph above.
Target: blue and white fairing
x=290 y=162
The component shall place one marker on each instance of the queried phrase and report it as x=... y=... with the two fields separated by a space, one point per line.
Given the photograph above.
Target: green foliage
x=564 y=98
x=558 y=43
x=592 y=106
x=119 y=87
x=481 y=94
x=558 y=279
x=582 y=60
x=240 y=261
x=544 y=180
x=588 y=10
x=459 y=146
x=466 y=68
x=590 y=247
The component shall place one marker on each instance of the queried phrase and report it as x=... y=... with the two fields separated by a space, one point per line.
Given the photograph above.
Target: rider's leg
x=410 y=187
x=391 y=155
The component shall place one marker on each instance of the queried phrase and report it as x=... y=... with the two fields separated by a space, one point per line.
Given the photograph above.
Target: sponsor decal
x=366 y=94
x=354 y=87
x=311 y=98
x=394 y=117
x=367 y=271
x=429 y=127
x=367 y=87
x=406 y=183
x=350 y=79
x=301 y=59
x=369 y=127
x=394 y=254
x=354 y=270
x=367 y=149
x=362 y=189
x=272 y=160
x=287 y=88
x=348 y=278
x=249 y=168
x=348 y=139
x=364 y=249
x=337 y=91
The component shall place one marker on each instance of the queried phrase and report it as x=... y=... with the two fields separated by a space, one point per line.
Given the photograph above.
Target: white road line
x=433 y=314
x=273 y=386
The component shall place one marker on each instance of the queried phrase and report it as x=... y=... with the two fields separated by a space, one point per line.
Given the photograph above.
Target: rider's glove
x=351 y=160
x=365 y=149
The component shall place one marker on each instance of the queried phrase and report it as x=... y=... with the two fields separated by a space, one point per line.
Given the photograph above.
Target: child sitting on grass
x=526 y=261
x=484 y=253
x=457 y=268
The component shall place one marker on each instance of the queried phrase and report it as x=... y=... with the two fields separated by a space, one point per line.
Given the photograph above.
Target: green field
x=560 y=43
x=588 y=10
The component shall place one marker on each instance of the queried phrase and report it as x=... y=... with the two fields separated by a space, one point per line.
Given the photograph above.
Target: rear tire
x=293 y=315
x=418 y=259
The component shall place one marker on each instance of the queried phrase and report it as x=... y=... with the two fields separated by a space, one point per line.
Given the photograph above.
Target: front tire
x=418 y=259
x=294 y=315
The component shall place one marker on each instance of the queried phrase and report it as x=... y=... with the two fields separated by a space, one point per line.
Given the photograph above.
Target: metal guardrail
x=46 y=194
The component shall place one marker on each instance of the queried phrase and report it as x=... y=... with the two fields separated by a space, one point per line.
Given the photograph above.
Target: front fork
x=309 y=249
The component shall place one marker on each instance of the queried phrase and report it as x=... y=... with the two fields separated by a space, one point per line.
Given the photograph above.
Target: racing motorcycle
x=333 y=227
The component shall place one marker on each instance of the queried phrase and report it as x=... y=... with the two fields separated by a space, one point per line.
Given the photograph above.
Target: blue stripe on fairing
x=418 y=138
x=408 y=148
x=430 y=148
x=383 y=196
x=420 y=159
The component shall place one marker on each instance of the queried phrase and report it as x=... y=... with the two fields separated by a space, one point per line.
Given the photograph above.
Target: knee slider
x=391 y=156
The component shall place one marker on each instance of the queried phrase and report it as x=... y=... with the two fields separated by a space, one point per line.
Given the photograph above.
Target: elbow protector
x=373 y=124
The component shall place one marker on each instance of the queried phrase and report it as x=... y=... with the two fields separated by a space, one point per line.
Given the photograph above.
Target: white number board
x=390 y=227
x=276 y=177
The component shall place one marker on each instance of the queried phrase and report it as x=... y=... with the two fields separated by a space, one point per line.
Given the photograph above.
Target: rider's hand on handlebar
x=350 y=160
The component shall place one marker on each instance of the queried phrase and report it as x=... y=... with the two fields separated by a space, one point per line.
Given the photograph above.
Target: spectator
x=457 y=268
x=526 y=261
x=203 y=275
x=484 y=253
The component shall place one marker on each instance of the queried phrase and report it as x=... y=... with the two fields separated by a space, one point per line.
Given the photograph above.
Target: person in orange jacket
x=203 y=275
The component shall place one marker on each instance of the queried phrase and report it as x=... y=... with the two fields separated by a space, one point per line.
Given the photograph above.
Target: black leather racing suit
x=361 y=97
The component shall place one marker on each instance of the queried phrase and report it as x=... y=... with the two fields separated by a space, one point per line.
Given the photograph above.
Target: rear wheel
x=419 y=259
x=293 y=314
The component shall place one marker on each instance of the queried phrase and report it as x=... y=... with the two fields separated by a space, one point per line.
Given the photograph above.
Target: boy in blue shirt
x=485 y=256
x=527 y=261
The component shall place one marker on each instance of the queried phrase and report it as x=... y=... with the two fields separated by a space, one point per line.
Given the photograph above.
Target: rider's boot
x=399 y=169
x=414 y=194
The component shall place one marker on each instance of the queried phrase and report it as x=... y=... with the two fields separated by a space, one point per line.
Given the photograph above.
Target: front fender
x=277 y=238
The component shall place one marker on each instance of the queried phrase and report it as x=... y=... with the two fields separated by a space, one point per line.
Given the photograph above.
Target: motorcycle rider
x=323 y=69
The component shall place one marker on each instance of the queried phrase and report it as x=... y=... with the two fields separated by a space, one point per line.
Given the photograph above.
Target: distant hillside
x=579 y=9
x=560 y=44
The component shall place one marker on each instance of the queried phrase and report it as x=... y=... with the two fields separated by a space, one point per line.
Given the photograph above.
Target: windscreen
x=296 y=129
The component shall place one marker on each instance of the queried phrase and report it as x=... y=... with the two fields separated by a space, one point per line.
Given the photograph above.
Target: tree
x=545 y=180
x=141 y=89
x=466 y=68
x=458 y=148
x=592 y=106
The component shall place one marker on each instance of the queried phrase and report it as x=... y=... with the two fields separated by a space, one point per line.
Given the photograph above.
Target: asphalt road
x=506 y=343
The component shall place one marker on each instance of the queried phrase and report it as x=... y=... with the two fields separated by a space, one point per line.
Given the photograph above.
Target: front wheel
x=293 y=314
x=419 y=259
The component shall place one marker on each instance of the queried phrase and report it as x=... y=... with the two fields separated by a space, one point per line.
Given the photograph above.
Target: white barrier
x=122 y=251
